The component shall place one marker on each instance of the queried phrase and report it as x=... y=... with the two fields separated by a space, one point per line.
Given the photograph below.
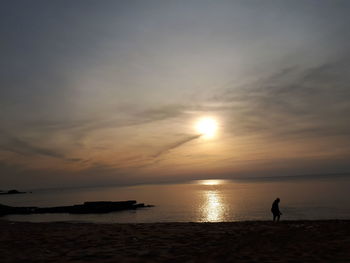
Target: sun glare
x=207 y=127
x=211 y=182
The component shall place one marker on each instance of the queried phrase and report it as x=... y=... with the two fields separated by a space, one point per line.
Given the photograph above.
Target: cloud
x=19 y=146
x=292 y=102
x=176 y=145
x=75 y=131
x=126 y=117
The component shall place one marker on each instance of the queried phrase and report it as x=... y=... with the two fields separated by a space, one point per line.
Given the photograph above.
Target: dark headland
x=85 y=208
x=11 y=192
x=259 y=241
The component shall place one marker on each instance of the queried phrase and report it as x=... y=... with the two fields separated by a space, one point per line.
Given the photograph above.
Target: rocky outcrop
x=11 y=192
x=86 y=208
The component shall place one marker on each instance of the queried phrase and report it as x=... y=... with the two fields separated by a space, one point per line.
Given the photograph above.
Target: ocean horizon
x=210 y=200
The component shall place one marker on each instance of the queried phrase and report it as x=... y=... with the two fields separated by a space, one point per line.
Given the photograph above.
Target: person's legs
x=276 y=217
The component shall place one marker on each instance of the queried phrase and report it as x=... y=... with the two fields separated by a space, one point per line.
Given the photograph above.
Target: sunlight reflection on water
x=213 y=208
x=210 y=182
x=198 y=201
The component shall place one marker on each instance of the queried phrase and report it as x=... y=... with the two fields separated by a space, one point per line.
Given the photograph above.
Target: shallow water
x=199 y=201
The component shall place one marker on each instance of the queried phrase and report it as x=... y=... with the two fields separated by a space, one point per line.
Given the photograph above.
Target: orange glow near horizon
x=210 y=182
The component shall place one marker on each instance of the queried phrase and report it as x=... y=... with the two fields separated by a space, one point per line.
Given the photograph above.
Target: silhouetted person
x=276 y=210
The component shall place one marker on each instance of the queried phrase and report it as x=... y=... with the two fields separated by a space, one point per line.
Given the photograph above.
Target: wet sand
x=288 y=241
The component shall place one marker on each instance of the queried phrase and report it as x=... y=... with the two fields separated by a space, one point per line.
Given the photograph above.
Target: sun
x=207 y=127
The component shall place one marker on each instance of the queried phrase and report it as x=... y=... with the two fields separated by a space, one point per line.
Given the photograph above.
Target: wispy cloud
x=126 y=117
x=22 y=147
x=176 y=145
x=292 y=102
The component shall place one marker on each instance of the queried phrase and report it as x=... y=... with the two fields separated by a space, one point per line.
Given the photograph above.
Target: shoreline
x=244 y=241
x=282 y=221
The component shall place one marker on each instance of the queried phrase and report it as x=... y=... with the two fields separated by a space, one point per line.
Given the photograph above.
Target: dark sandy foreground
x=293 y=241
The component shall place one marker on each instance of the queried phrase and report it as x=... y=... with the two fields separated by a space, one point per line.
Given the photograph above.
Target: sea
x=214 y=200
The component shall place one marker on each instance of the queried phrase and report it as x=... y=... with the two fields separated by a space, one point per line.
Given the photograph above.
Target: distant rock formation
x=86 y=208
x=11 y=192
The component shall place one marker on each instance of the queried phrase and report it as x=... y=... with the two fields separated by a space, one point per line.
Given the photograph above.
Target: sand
x=259 y=241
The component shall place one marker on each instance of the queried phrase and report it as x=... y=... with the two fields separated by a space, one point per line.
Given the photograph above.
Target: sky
x=110 y=92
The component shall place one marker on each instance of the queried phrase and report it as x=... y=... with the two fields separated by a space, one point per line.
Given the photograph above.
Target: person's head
x=278 y=200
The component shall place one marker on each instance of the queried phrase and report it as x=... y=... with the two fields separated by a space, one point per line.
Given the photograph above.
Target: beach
x=250 y=241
